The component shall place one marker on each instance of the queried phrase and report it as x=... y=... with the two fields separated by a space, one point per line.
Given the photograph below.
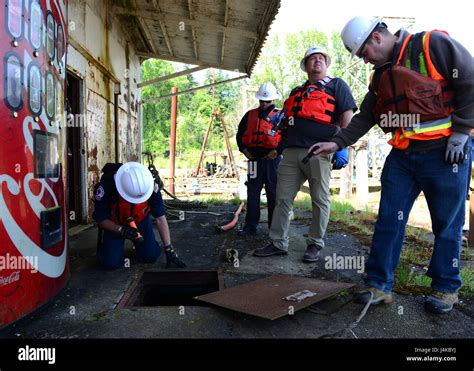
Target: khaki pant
x=292 y=173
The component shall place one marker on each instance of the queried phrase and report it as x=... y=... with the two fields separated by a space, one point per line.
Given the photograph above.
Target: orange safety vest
x=257 y=132
x=312 y=102
x=122 y=210
x=415 y=105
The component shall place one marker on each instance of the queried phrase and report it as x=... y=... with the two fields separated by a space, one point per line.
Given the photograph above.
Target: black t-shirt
x=304 y=133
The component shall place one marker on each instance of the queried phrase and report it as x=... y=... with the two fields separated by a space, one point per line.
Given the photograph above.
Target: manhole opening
x=171 y=288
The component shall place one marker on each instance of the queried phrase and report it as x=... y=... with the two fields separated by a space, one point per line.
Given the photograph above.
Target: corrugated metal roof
x=224 y=34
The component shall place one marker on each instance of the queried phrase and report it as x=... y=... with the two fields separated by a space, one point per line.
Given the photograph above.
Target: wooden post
x=174 y=112
x=345 y=191
x=362 y=179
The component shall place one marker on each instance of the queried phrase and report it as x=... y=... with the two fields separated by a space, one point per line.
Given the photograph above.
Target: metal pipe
x=174 y=111
x=154 y=99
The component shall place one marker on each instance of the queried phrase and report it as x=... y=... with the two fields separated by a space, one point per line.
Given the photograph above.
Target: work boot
x=312 y=253
x=269 y=250
x=246 y=231
x=172 y=258
x=379 y=296
x=441 y=302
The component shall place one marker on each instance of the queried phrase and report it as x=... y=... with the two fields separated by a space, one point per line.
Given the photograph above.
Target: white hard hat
x=313 y=50
x=266 y=92
x=134 y=182
x=356 y=32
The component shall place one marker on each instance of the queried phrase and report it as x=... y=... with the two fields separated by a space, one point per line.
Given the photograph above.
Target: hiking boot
x=246 y=231
x=312 y=253
x=441 y=302
x=379 y=296
x=269 y=250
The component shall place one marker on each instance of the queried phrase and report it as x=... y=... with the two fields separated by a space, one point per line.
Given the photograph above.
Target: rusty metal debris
x=265 y=298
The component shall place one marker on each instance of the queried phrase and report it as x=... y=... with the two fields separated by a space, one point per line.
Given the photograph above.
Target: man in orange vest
x=262 y=147
x=422 y=93
x=125 y=199
x=315 y=110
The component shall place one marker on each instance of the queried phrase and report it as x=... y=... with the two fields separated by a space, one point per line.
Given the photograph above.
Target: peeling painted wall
x=96 y=38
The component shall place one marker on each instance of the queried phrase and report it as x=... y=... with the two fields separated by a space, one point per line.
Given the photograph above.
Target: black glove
x=129 y=233
x=172 y=258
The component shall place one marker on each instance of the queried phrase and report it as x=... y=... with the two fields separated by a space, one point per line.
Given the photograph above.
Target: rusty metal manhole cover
x=276 y=296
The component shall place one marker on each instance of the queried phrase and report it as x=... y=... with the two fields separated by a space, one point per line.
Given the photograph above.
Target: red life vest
x=122 y=210
x=311 y=102
x=256 y=133
x=419 y=104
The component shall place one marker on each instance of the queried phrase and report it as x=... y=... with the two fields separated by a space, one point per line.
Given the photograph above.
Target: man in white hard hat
x=124 y=200
x=421 y=92
x=263 y=149
x=315 y=110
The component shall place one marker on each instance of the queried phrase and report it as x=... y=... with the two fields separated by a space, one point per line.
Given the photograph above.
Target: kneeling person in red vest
x=125 y=199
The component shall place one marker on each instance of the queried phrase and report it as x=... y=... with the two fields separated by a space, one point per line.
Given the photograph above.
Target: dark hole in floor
x=171 y=288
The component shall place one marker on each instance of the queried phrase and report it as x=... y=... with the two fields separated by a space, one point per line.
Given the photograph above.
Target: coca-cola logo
x=49 y=265
x=6 y=280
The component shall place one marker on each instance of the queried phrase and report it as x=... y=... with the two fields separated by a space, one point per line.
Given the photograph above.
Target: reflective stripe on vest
x=426 y=130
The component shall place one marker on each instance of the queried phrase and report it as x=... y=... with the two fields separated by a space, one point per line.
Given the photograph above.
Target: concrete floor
x=86 y=307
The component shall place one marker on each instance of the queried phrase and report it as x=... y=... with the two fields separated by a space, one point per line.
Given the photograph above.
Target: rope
x=354 y=324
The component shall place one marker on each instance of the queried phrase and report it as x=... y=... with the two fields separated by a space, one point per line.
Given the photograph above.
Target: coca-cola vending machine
x=33 y=226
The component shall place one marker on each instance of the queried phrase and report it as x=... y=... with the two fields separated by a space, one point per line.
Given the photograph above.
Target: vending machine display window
x=34 y=89
x=14 y=18
x=46 y=154
x=50 y=33
x=50 y=96
x=13 y=81
x=36 y=24
x=60 y=44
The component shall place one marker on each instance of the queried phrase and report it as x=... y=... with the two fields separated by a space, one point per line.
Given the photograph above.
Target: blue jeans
x=264 y=174
x=110 y=250
x=404 y=176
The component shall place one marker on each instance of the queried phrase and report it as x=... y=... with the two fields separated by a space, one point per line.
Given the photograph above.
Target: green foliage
x=278 y=63
x=194 y=112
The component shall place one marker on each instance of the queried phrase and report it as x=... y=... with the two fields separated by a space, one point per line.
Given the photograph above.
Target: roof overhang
x=224 y=34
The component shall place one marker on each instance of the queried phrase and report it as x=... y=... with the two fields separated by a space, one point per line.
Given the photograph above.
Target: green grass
x=409 y=282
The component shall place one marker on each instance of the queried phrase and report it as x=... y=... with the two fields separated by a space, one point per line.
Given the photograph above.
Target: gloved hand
x=172 y=258
x=456 y=148
x=129 y=233
x=340 y=159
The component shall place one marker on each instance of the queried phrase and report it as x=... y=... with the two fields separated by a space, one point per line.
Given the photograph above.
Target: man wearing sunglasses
x=427 y=80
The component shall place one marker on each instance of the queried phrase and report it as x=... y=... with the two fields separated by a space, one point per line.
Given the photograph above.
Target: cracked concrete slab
x=86 y=308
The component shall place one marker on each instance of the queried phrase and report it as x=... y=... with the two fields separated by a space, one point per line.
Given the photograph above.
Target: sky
x=297 y=15
x=456 y=18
